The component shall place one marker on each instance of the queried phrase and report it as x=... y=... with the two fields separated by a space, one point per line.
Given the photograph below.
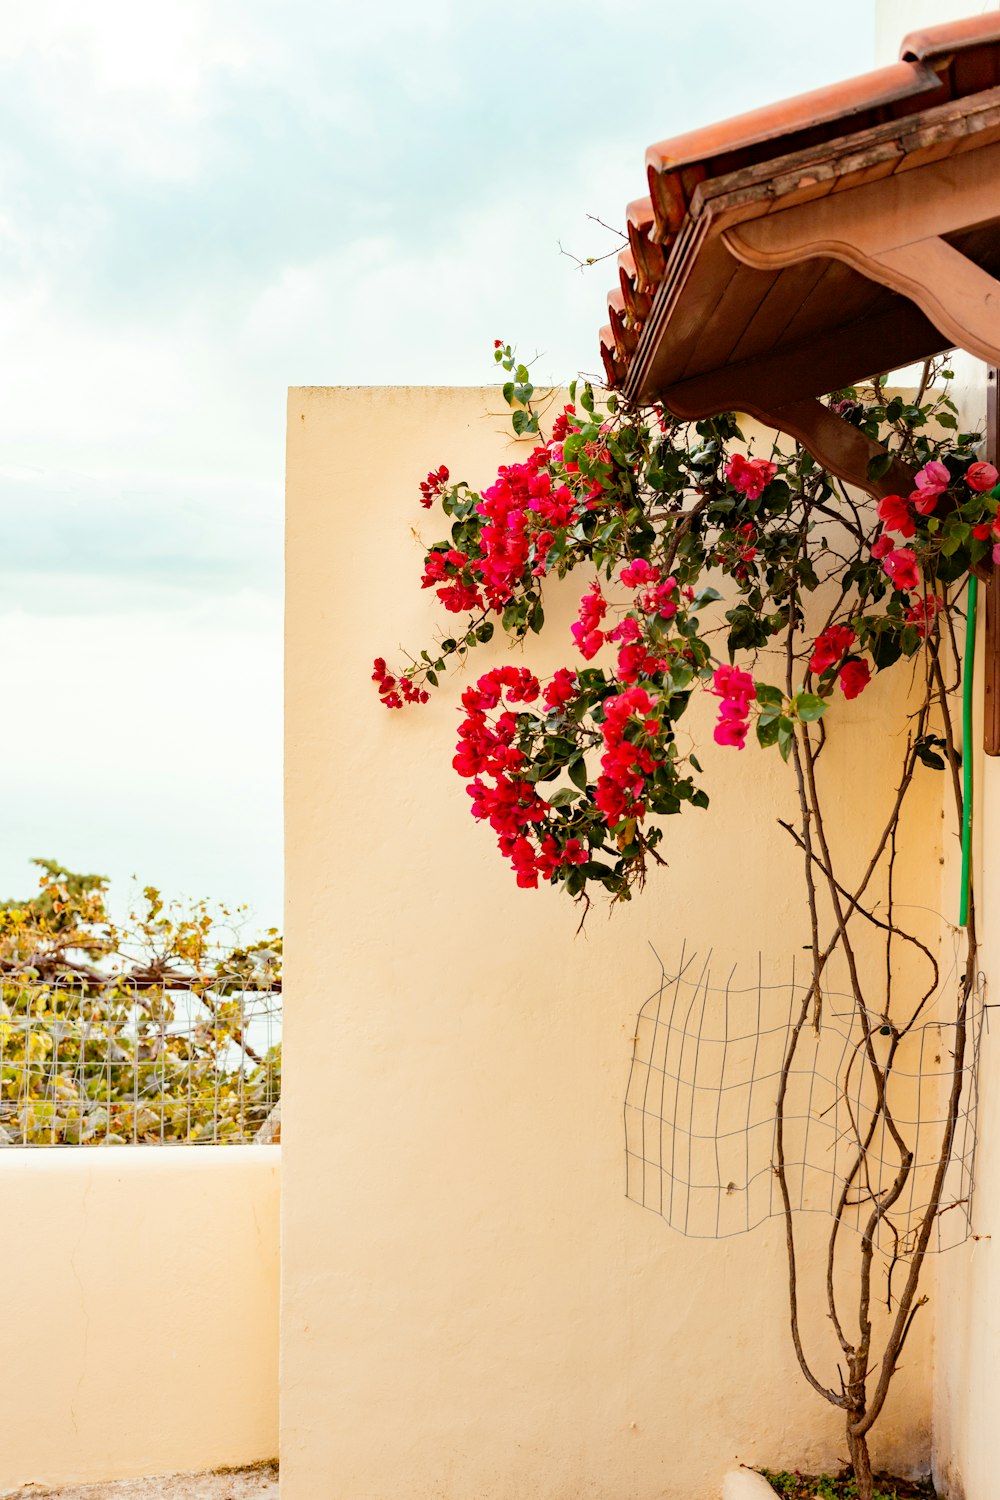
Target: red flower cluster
x=511 y=804
x=751 y=476
x=896 y=515
x=735 y=549
x=561 y=425
x=393 y=691
x=830 y=647
x=922 y=612
x=854 y=677
x=900 y=567
x=521 y=513
x=560 y=692
x=635 y=659
x=459 y=592
x=586 y=628
x=624 y=764
x=432 y=486
x=737 y=691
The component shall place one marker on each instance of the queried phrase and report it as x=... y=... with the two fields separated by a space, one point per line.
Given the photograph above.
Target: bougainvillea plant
x=761 y=582
x=575 y=775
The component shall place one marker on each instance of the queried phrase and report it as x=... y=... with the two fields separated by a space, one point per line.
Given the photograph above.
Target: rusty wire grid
x=701 y=1106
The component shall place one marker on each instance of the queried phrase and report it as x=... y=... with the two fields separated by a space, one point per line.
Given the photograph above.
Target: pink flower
x=901 y=568
x=731 y=732
x=894 y=513
x=882 y=546
x=981 y=477
x=854 y=677
x=639 y=574
x=730 y=682
x=830 y=647
x=750 y=476
x=996 y=552
x=737 y=690
x=933 y=478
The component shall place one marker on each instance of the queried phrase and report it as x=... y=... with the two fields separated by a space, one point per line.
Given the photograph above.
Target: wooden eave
x=796 y=277
x=819 y=242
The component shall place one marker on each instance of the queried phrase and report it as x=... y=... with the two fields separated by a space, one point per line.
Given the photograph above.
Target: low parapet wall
x=140 y=1316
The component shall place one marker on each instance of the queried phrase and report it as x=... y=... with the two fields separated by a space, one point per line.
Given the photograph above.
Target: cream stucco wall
x=471 y=1307
x=139 y=1326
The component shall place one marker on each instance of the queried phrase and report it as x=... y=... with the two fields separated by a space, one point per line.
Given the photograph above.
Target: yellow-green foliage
x=145 y=1030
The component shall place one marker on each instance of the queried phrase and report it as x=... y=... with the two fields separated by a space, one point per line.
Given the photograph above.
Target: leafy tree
x=140 y=1030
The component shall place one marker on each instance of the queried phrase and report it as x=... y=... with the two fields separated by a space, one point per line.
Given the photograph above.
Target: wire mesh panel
x=864 y=1107
x=126 y=1064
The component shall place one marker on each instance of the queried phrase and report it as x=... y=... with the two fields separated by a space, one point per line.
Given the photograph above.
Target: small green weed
x=842 y=1486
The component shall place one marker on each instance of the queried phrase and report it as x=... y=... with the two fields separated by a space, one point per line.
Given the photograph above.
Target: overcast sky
x=203 y=203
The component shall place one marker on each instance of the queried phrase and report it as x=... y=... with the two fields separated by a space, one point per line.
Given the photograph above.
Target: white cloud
x=205 y=203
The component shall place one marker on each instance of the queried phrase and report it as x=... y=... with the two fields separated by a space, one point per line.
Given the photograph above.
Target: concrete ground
x=257 y=1483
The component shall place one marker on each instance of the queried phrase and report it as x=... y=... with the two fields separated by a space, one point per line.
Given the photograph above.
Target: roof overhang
x=817 y=243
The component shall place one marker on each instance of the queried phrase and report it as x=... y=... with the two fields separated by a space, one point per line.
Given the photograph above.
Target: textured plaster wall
x=471 y=1307
x=139 y=1325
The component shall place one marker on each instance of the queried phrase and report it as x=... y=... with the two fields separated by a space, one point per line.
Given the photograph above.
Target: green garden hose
x=967 y=675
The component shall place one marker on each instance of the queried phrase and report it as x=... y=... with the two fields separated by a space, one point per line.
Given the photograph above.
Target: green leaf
x=879 y=466
x=786 y=732
x=808 y=708
x=885 y=649
x=768 y=731
x=955 y=533
x=577 y=770
x=768 y=695
x=563 y=797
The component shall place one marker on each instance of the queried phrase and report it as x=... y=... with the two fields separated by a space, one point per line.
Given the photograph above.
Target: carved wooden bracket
x=892 y=232
x=838 y=445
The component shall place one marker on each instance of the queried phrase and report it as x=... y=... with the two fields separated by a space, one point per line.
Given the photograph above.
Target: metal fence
x=128 y=1064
